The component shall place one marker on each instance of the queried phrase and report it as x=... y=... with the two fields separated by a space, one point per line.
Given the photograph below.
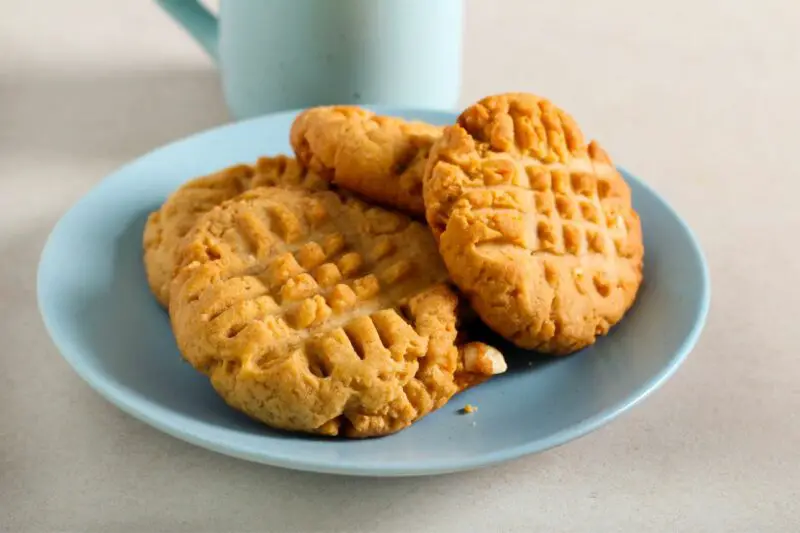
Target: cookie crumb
x=468 y=409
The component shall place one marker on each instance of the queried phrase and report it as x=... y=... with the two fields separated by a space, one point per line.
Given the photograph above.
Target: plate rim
x=159 y=417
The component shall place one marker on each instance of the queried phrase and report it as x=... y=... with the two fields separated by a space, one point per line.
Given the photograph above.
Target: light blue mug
x=283 y=54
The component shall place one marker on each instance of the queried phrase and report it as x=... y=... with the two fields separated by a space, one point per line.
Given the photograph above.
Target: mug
x=285 y=54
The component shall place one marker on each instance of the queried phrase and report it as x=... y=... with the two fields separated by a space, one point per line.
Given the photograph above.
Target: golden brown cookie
x=315 y=312
x=380 y=158
x=534 y=226
x=166 y=227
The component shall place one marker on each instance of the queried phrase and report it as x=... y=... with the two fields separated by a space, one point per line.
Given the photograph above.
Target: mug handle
x=197 y=20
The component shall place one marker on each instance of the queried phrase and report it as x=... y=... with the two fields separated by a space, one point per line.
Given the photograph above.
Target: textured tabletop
x=698 y=97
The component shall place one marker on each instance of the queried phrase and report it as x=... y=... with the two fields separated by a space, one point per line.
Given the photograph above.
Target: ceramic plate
x=98 y=310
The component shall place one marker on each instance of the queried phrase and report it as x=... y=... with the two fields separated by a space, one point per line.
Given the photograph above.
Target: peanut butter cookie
x=534 y=226
x=315 y=312
x=165 y=227
x=381 y=158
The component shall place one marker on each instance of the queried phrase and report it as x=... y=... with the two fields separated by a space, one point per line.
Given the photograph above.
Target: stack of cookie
x=312 y=293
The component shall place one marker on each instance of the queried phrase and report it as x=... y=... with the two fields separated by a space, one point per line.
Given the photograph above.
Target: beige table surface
x=699 y=97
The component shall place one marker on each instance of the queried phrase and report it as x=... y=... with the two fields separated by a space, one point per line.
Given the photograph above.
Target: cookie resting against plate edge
x=534 y=226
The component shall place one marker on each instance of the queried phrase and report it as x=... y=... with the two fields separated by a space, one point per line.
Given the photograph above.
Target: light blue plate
x=98 y=310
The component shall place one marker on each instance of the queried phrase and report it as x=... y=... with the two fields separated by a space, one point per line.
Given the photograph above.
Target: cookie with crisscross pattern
x=535 y=226
x=317 y=312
